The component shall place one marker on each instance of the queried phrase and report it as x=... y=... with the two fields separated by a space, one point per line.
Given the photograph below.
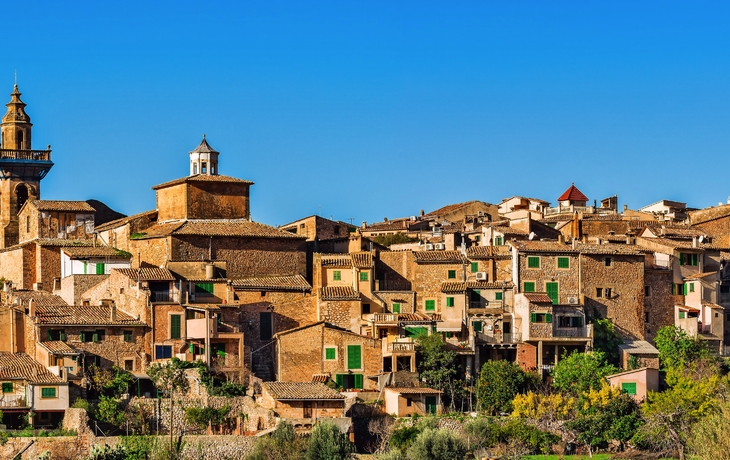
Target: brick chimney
x=113 y=313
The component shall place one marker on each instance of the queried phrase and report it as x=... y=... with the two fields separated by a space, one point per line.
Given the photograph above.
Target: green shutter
x=579 y=321
x=48 y=392
x=192 y=348
x=358 y=381
x=430 y=305
x=175 y=327
x=48 y=335
x=354 y=357
x=330 y=353
x=533 y=262
x=533 y=317
x=82 y=337
x=62 y=335
x=95 y=337
x=629 y=387
x=681 y=315
x=363 y=276
x=337 y=275
x=552 y=291
x=396 y=308
x=474 y=267
x=563 y=262
x=674 y=289
x=691 y=287
x=477 y=325
x=695 y=259
x=340 y=380
x=431 y=404
x=548 y=317
x=452 y=274
x=99 y=269
x=7 y=387
x=681 y=258
x=414 y=331
x=684 y=289
x=204 y=288
x=497 y=296
x=529 y=286
x=449 y=301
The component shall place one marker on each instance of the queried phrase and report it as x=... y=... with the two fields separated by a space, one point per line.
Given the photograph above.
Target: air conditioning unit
x=481 y=276
x=429 y=247
x=573 y=300
x=413 y=218
x=481 y=214
x=440 y=246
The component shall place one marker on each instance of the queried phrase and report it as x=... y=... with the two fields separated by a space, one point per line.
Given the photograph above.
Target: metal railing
x=161 y=296
x=25 y=154
x=513 y=337
x=571 y=332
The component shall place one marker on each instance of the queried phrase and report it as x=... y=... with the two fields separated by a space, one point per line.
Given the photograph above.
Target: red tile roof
x=573 y=194
x=339 y=293
x=146 y=274
x=439 y=257
x=17 y=366
x=59 y=347
x=273 y=283
x=84 y=315
x=461 y=286
x=536 y=297
x=297 y=391
x=65 y=206
x=201 y=178
x=85 y=252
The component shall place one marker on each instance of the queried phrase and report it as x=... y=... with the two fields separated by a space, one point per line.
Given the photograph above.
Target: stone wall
x=428 y=279
x=112 y=350
x=394 y=270
x=342 y=313
x=404 y=298
x=567 y=278
x=659 y=304
x=718 y=228
x=73 y=288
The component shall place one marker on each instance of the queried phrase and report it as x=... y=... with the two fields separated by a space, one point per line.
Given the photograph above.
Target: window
x=430 y=305
x=365 y=308
x=725 y=289
x=336 y=229
x=647 y=291
x=128 y=336
x=348 y=381
x=689 y=259
x=163 y=351
x=477 y=325
x=629 y=387
x=330 y=353
x=691 y=287
x=203 y=168
x=608 y=261
x=497 y=296
x=128 y=364
x=570 y=321
x=363 y=276
x=7 y=387
x=175 y=324
x=99 y=269
x=528 y=286
x=449 y=301
x=265 y=325
x=336 y=275
x=552 y=291
x=204 y=289
x=533 y=262
x=452 y=274
x=563 y=262
x=599 y=292
x=396 y=308
x=195 y=168
x=56 y=334
x=541 y=317
x=409 y=402
x=474 y=267
x=27 y=223
x=354 y=357
x=607 y=293
x=646 y=317
x=48 y=392
x=498 y=241
x=681 y=315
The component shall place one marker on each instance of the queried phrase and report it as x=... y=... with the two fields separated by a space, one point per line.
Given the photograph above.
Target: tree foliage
x=437 y=366
x=606 y=340
x=282 y=444
x=202 y=416
x=677 y=349
x=433 y=444
x=328 y=443
x=578 y=373
x=537 y=406
x=499 y=382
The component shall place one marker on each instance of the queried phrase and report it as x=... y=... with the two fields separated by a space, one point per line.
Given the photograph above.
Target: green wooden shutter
x=691 y=287
x=7 y=387
x=529 y=286
x=548 y=317
x=474 y=267
x=337 y=275
x=48 y=392
x=563 y=262
x=330 y=353
x=430 y=305
x=681 y=315
x=533 y=317
x=497 y=296
x=99 y=269
x=62 y=335
x=340 y=380
x=477 y=325
x=533 y=262
x=681 y=258
x=82 y=336
x=695 y=259
x=95 y=337
x=451 y=274
x=358 y=381
x=363 y=276
x=430 y=404
x=449 y=301
x=354 y=357
x=175 y=332
x=684 y=289
x=396 y=308
x=415 y=331
x=552 y=291
x=674 y=289
x=579 y=322
x=629 y=387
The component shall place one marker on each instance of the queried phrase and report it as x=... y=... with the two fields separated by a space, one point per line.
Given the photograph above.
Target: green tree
x=433 y=444
x=282 y=444
x=709 y=434
x=395 y=238
x=499 y=382
x=677 y=349
x=578 y=373
x=112 y=382
x=169 y=378
x=606 y=340
x=437 y=366
x=328 y=443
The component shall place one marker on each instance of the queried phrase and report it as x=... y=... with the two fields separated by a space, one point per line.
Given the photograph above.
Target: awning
x=449 y=326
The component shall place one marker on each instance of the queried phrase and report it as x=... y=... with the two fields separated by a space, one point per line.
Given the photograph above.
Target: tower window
x=195 y=168
x=212 y=168
x=20 y=140
x=203 y=168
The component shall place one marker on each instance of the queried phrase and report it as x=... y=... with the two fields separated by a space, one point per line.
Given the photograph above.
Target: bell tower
x=21 y=168
x=204 y=159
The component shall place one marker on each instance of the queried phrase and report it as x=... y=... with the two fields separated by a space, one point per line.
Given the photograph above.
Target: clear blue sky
x=369 y=109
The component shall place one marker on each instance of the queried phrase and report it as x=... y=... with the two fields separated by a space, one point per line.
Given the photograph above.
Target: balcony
x=486 y=307
x=23 y=154
x=12 y=401
x=401 y=347
x=163 y=296
x=385 y=318
x=574 y=332
x=498 y=338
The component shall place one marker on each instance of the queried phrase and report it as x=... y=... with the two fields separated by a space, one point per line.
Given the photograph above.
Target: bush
x=402 y=437
x=578 y=373
x=202 y=416
x=537 y=406
x=483 y=432
x=83 y=404
x=282 y=444
x=499 y=382
x=107 y=453
x=434 y=444
x=516 y=431
x=328 y=443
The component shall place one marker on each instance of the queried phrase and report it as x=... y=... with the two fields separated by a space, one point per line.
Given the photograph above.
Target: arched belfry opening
x=23 y=194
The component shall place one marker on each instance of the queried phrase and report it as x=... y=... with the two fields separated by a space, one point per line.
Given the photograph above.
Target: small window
x=409 y=402
x=607 y=292
x=128 y=336
x=354 y=357
x=163 y=351
x=477 y=325
x=474 y=267
x=691 y=287
x=533 y=262
x=195 y=168
x=608 y=261
x=336 y=275
x=175 y=326
x=330 y=353
x=128 y=364
x=498 y=241
x=646 y=317
x=363 y=276
x=336 y=230
x=7 y=387
x=529 y=286
x=365 y=308
x=563 y=262
x=629 y=387
x=599 y=292
x=497 y=296
x=27 y=223
x=541 y=317
x=725 y=289
x=204 y=289
x=452 y=274
x=449 y=301
x=395 y=308
x=647 y=291
x=48 y=392
x=203 y=168
x=430 y=305
x=682 y=315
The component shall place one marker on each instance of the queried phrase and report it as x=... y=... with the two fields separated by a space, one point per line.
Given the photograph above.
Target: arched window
x=20 y=140
x=195 y=168
x=204 y=168
x=22 y=192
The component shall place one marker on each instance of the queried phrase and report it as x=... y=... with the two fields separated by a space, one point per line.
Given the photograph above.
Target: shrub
x=434 y=444
x=499 y=382
x=83 y=404
x=578 y=373
x=201 y=416
x=537 y=406
x=282 y=444
x=328 y=443
x=516 y=431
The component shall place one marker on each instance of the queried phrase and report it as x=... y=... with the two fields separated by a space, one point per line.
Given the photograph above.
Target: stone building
x=302 y=403
x=56 y=219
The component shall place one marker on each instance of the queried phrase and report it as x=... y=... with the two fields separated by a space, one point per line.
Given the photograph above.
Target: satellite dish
x=702 y=238
x=532 y=236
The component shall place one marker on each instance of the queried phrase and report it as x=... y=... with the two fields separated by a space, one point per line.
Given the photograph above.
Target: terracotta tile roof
x=488 y=252
x=343 y=260
x=610 y=238
x=416 y=317
x=201 y=178
x=125 y=220
x=542 y=246
x=158 y=230
x=392 y=225
x=86 y=315
x=697 y=276
x=362 y=259
x=58 y=205
x=244 y=228
x=572 y=194
x=680 y=244
x=85 y=252
x=320 y=378
x=297 y=391
x=639 y=347
x=59 y=347
x=448 y=209
x=41 y=298
x=414 y=391
x=714 y=306
x=452 y=228
x=439 y=257
x=273 y=283
x=61 y=242
x=507 y=230
x=17 y=366
x=537 y=297
x=339 y=293
x=146 y=274
x=462 y=286
x=610 y=248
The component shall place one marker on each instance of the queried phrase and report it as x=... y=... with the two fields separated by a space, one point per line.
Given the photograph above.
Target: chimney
x=573 y=243
x=561 y=239
x=694 y=241
x=31 y=308
x=364 y=224
x=626 y=207
x=385 y=219
x=423 y=213
x=113 y=313
x=629 y=240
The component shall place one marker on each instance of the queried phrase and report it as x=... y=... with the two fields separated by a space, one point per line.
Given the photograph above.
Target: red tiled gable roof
x=461 y=286
x=573 y=194
x=59 y=347
x=536 y=297
x=17 y=366
x=64 y=206
x=85 y=252
x=508 y=230
x=343 y=260
x=273 y=283
x=201 y=178
x=125 y=220
x=41 y=298
x=414 y=391
x=243 y=228
x=436 y=257
x=362 y=259
x=611 y=248
x=84 y=315
x=146 y=274
x=297 y=391
x=339 y=293
x=401 y=224
x=680 y=244
x=488 y=252
x=542 y=246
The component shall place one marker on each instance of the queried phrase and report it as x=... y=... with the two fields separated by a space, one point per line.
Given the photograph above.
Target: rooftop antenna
x=16 y=77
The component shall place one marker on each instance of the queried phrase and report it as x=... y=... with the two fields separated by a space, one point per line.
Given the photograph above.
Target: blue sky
x=362 y=110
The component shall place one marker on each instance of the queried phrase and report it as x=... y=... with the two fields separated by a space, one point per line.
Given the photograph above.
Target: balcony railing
x=12 y=401
x=571 y=331
x=162 y=296
x=385 y=318
x=401 y=347
x=23 y=154
x=514 y=337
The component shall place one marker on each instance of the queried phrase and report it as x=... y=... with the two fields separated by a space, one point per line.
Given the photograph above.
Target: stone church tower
x=204 y=160
x=21 y=169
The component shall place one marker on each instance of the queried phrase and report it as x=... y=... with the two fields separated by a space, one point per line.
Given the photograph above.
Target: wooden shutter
x=449 y=301
x=548 y=317
x=340 y=380
x=330 y=353
x=337 y=275
x=430 y=305
x=354 y=357
x=175 y=327
x=7 y=387
x=497 y=296
x=533 y=317
x=474 y=267
x=552 y=291
x=477 y=326
x=358 y=381
x=396 y=308
x=533 y=262
x=48 y=392
x=563 y=262
x=681 y=258
x=452 y=274
x=629 y=387
x=99 y=269
x=684 y=289
x=529 y=286
x=363 y=276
